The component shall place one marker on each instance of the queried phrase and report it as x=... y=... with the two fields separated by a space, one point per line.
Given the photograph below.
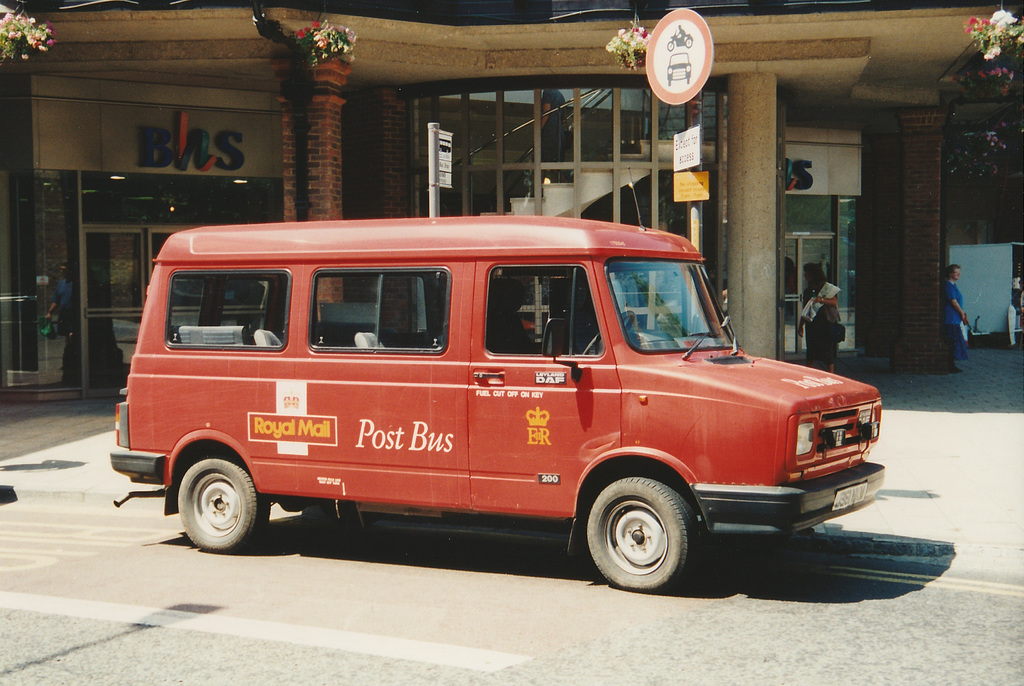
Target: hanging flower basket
x=971 y=152
x=630 y=46
x=20 y=36
x=322 y=42
x=987 y=82
x=1000 y=36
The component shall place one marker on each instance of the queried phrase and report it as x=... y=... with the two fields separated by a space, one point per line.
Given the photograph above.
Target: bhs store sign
x=158 y=148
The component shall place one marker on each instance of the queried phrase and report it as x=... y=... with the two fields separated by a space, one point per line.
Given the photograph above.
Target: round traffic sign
x=679 y=56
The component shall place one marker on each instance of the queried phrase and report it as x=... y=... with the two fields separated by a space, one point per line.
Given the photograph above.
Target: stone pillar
x=311 y=138
x=919 y=346
x=752 y=199
x=879 y=279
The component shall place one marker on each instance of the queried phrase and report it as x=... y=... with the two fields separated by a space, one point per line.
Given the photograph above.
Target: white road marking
x=348 y=641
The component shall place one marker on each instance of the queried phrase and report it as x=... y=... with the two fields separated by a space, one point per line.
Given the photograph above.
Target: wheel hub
x=638 y=538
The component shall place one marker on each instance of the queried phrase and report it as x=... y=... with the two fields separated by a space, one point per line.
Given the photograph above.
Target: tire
x=220 y=507
x=642 y=535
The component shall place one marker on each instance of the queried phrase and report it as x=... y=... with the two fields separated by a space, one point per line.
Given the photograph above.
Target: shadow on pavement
x=991 y=381
x=31 y=427
x=795 y=571
x=44 y=466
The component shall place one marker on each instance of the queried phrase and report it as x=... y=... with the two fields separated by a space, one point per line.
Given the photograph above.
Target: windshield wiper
x=735 y=341
x=693 y=347
x=725 y=323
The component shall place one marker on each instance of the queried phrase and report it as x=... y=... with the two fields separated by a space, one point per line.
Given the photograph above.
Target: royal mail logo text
x=282 y=428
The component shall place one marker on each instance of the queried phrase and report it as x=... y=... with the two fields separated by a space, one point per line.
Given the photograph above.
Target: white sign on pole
x=444 y=159
x=686 y=145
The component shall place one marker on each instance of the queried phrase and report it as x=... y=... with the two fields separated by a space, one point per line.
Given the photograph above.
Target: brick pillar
x=325 y=140
x=879 y=282
x=919 y=346
x=311 y=138
x=375 y=155
x=283 y=70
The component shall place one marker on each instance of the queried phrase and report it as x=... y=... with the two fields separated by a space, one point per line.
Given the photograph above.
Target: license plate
x=851 y=495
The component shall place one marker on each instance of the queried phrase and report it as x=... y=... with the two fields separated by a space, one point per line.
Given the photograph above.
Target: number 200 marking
x=550 y=479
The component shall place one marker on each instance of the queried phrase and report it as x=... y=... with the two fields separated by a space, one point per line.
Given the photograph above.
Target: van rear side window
x=227 y=309
x=374 y=310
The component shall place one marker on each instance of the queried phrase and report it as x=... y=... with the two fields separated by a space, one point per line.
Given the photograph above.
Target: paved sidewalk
x=953 y=447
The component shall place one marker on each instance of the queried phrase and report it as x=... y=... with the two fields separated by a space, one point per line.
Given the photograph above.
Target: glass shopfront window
x=483 y=118
x=91 y=276
x=169 y=199
x=40 y=331
x=597 y=125
x=517 y=127
x=604 y=153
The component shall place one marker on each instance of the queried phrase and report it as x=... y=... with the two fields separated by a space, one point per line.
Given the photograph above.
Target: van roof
x=418 y=238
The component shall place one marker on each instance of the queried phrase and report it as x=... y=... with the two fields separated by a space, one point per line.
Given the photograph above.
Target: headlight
x=864 y=417
x=804 y=438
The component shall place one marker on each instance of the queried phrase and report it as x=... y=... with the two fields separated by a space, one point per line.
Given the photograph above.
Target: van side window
x=227 y=309
x=521 y=300
x=373 y=310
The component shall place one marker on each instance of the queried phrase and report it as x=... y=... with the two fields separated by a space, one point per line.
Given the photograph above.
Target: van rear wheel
x=641 y=535
x=219 y=506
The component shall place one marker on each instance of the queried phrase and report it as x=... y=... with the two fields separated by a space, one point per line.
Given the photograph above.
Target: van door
x=383 y=364
x=534 y=424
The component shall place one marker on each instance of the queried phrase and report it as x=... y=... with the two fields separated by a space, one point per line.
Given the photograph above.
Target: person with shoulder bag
x=820 y=317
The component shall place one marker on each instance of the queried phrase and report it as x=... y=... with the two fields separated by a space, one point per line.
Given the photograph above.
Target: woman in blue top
x=955 y=316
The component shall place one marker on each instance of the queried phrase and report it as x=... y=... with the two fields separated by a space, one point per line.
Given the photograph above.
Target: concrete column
x=752 y=203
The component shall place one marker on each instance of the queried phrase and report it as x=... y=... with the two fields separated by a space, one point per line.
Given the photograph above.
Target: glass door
x=801 y=250
x=114 y=289
x=820 y=229
x=119 y=265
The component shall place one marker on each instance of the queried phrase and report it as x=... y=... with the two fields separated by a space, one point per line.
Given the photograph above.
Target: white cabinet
x=988 y=277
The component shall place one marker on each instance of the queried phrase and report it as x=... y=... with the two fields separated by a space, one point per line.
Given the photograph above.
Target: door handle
x=490 y=378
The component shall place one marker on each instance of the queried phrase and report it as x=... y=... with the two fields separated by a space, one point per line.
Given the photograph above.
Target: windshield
x=666 y=306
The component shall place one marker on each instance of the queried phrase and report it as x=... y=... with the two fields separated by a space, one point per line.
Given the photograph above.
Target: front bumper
x=785 y=509
x=140 y=467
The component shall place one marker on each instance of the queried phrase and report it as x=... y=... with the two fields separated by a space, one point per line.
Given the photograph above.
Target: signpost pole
x=433 y=188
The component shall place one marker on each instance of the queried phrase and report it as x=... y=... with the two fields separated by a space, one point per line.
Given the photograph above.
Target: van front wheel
x=219 y=506
x=641 y=534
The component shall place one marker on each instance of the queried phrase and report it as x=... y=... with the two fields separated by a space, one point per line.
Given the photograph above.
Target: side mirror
x=555 y=337
x=555 y=344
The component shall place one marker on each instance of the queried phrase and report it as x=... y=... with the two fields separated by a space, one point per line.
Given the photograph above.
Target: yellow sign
x=690 y=186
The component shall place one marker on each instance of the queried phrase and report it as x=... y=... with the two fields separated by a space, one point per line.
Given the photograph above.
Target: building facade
x=825 y=135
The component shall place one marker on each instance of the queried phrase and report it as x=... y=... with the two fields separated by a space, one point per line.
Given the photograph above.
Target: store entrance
x=819 y=229
x=119 y=265
x=801 y=250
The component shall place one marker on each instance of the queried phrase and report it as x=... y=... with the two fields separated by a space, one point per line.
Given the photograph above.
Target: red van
x=570 y=371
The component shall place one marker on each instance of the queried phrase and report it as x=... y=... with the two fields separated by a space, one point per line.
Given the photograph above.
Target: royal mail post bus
x=544 y=369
